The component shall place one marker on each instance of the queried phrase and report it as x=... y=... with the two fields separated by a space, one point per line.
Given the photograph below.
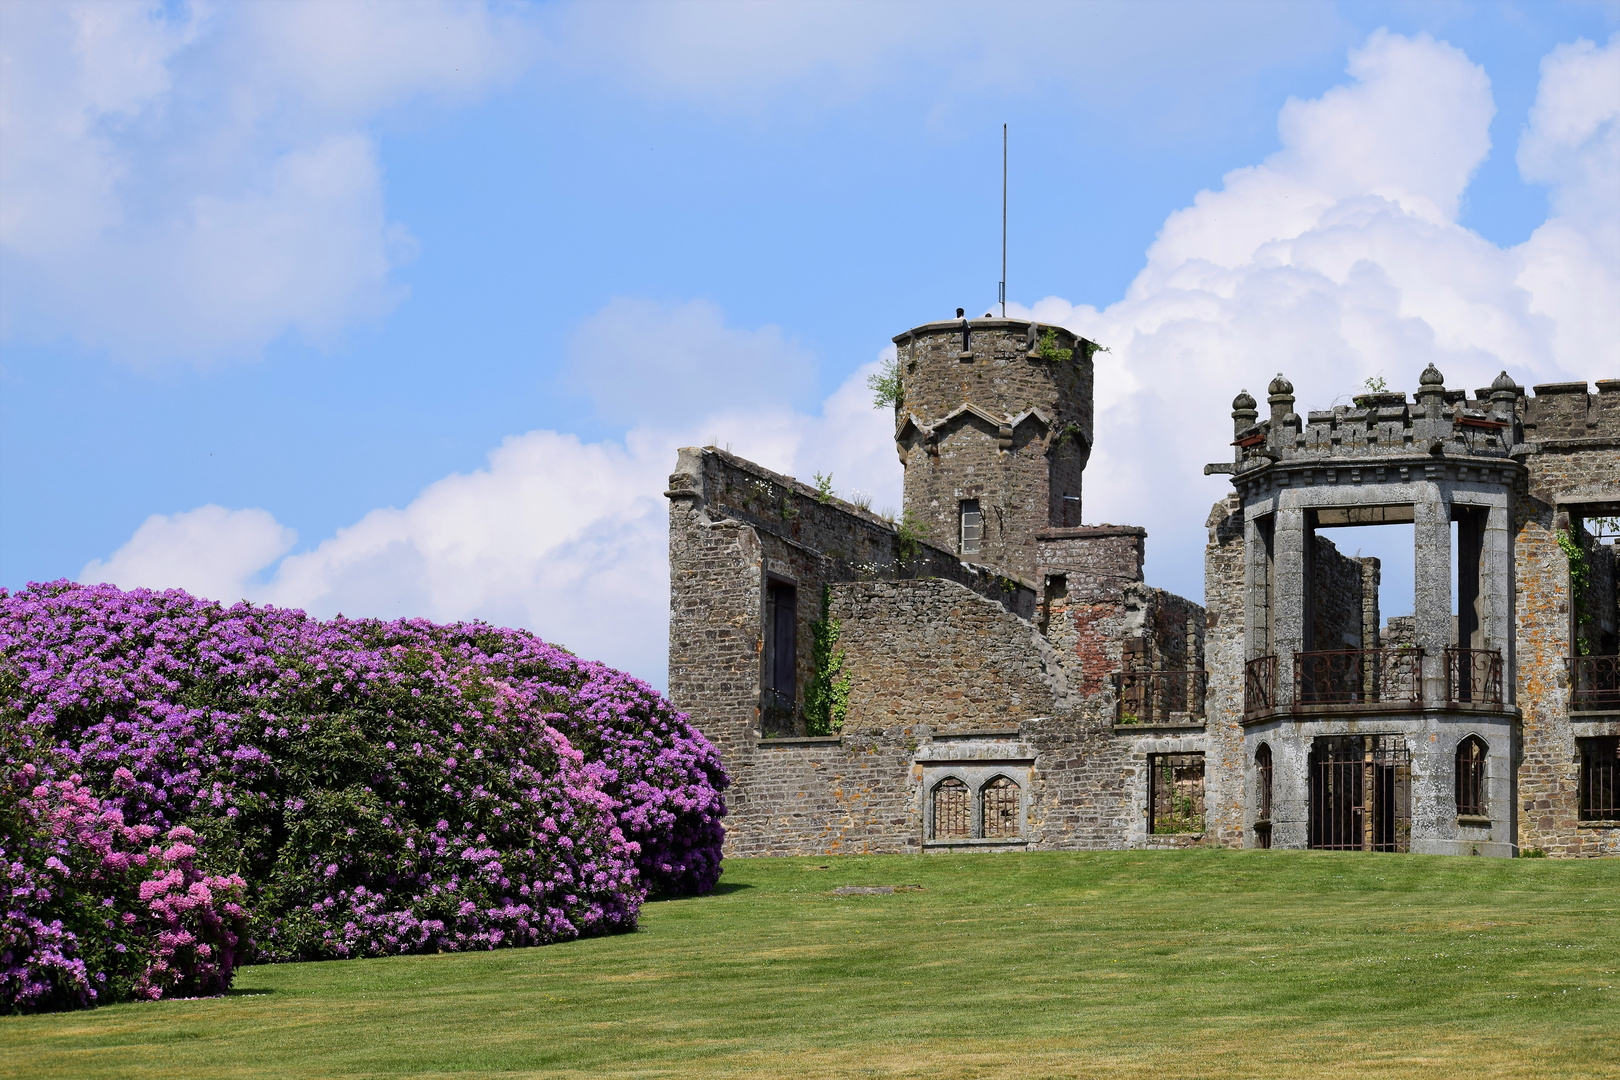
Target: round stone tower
x=994 y=427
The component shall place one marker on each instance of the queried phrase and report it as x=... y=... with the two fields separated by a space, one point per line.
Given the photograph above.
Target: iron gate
x=1361 y=793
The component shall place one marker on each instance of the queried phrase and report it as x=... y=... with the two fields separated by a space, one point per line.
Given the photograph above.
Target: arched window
x=1262 y=809
x=999 y=803
x=1471 y=777
x=952 y=820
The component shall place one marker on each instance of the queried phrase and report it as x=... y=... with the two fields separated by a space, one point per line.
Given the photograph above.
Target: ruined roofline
x=931 y=559
x=797 y=486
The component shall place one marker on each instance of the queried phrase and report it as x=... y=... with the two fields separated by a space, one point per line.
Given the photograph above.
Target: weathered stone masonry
x=1013 y=683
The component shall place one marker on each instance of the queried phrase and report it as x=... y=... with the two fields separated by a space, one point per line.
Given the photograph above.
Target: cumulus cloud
x=193 y=182
x=209 y=551
x=565 y=537
x=1340 y=258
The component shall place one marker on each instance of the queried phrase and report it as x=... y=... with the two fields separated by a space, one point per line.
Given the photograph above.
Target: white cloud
x=565 y=537
x=1340 y=258
x=209 y=551
x=194 y=182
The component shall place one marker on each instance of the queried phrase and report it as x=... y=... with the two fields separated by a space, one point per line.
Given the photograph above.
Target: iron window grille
x=1471 y=777
x=1600 y=778
x=998 y=801
x=953 y=817
x=1176 y=793
x=1262 y=810
x=1361 y=793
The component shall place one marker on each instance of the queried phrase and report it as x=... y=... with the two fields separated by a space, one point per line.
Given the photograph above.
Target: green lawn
x=1201 y=963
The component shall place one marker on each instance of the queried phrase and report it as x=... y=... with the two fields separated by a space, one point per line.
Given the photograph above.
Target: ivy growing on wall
x=826 y=698
x=1580 y=576
x=908 y=533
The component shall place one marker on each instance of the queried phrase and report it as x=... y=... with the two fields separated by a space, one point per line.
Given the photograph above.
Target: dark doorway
x=1361 y=793
x=781 y=658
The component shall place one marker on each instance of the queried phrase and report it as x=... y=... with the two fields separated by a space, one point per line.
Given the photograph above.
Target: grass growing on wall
x=1136 y=964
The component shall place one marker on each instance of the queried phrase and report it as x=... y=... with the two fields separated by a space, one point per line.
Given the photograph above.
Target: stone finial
x=1244 y=413
x=1431 y=391
x=1282 y=404
x=1504 y=382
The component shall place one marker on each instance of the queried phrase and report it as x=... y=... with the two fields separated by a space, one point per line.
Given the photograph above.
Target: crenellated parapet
x=1563 y=416
x=1379 y=428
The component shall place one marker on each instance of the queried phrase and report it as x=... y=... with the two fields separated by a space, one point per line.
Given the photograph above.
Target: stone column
x=1288 y=597
x=1431 y=615
x=1496 y=592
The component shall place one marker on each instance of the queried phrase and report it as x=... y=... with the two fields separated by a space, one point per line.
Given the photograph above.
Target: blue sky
x=392 y=309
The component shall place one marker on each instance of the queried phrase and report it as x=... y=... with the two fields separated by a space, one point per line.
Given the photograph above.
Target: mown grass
x=1131 y=964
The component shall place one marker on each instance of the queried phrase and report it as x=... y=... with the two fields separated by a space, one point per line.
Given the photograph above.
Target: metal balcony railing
x=1474 y=676
x=1358 y=676
x=1259 y=685
x=1594 y=682
x=1158 y=697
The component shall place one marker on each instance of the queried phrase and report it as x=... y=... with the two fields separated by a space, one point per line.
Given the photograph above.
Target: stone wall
x=995 y=422
x=1576 y=437
x=1338 y=602
x=1229 y=774
x=1084 y=573
x=933 y=653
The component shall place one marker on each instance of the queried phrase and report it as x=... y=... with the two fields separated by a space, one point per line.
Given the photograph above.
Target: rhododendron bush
x=188 y=785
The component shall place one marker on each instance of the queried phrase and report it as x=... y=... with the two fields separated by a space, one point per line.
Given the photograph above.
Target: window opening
x=1600 y=778
x=781 y=657
x=1471 y=777
x=952 y=820
x=1176 y=793
x=1384 y=533
x=999 y=803
x=972 y=526
x=1262 y=810
x=1361 y=793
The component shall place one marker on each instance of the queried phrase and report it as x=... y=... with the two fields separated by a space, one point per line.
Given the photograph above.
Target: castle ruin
x=989 y=673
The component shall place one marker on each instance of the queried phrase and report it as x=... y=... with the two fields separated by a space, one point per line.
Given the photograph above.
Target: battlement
x=1561 y=412
x=1379 y=427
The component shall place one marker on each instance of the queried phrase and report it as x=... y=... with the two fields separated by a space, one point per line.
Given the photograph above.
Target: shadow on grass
x=725 y=888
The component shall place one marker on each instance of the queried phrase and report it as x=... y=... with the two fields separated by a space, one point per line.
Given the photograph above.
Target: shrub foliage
x=188 y=785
